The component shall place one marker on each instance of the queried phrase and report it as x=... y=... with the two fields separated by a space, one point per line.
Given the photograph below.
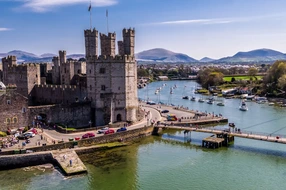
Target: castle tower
x=112 y=82
x=120 y=45
x=128 y=41
x=63 y=57
x=56 y=70
x=107 y=44
x=7 y=62
x=91 y=42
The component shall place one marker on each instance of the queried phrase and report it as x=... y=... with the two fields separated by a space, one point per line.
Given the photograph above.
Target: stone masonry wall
x=14 y=111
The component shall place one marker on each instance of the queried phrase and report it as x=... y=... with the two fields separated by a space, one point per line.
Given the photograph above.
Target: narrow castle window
x=36 y=76
x=23 y=110
x=8 y=120
x=65 y=70
x=90 y=87
x=102 y=70
x=15 y=120
x=8 y=102
x=103 y=87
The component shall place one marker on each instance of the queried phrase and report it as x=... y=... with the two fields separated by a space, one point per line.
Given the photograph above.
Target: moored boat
x=243 y=106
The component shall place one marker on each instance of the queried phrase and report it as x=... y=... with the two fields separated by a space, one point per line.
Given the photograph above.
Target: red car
x=109 y=131
x=88 y=135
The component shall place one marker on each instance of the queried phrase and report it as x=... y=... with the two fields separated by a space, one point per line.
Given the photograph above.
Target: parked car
x=33 y=130
x=103 y=130
x=121 y=129
x=109 y=131
x=151 y=103
x=77 y=138
x=165 y=111
x=22 y=137
x=88 y=135
x=29 y=134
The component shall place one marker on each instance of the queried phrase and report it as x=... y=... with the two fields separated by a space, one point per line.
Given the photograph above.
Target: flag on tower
x=89 y=8
x=106 y=13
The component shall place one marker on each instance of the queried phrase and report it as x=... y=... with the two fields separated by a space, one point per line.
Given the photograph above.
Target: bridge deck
x=250 y=135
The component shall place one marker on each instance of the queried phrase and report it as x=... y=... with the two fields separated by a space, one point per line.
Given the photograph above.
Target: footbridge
x=232 y=132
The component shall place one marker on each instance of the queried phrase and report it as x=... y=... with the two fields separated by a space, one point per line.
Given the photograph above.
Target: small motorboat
x=243 y=106
x=220 y=104
x=185 y=97
x=193 y=99
x=210 y=101
x=201 y=100
x=271 y=103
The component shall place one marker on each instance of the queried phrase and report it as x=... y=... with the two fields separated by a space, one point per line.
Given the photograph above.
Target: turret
x=91 y=42
x=63 y=57
x=128 y=41
x=107 y=44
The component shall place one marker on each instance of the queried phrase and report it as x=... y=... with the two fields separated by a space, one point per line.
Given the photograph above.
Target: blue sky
x=199 y=28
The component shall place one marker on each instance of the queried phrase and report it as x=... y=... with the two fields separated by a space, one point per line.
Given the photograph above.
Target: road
x=54 y=135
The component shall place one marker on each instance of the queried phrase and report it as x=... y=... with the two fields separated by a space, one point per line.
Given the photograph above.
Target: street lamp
x=90 y=123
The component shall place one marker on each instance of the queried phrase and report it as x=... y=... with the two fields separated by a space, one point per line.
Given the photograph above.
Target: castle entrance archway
x=119 y=118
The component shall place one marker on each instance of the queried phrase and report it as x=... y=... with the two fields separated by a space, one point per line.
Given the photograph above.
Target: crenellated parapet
x=53 y=87
x=108 y=58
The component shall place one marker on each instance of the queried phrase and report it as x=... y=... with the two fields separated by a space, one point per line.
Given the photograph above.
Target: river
x=172 y=161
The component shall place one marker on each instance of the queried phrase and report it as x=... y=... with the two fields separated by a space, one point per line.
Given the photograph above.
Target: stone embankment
x=44 y=154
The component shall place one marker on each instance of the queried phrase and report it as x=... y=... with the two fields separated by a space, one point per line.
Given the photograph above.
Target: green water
x=176 y=161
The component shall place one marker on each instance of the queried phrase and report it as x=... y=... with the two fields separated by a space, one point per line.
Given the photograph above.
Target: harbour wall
x=43 y=155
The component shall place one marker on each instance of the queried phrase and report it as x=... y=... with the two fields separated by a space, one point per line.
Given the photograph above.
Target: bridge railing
x=241 y=131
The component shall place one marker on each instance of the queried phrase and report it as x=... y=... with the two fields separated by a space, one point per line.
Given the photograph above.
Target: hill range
x=159 y=55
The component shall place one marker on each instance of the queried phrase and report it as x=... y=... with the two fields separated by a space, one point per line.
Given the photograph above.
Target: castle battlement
x=108 y=58
x=128 y=32
x=24 y=66
x=109 y=36
x=92 y=32
x=49 y=86
x=9 y=58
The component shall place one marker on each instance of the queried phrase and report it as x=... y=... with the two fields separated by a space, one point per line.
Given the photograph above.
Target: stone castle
x=98 y=90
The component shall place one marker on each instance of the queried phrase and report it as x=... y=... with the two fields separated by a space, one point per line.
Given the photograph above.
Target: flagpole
x=107 y=21
x=90 y=12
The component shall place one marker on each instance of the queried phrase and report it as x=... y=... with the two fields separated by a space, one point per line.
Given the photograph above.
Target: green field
x=237 y=78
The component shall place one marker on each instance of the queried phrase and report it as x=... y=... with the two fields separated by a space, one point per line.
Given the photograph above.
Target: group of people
x=9 y=141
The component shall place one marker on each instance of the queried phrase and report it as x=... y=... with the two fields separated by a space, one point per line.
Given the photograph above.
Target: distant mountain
x=258 y=55
x=48 y=55
x=206 y=60
x=23 y=56
x=163 y=55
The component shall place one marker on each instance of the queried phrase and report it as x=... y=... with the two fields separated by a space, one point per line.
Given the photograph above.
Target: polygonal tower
x=107 y=44
x=128 y=41
x=91 y=42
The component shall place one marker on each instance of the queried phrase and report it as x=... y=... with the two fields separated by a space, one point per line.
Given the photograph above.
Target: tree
x=282 y=82
x=252 y=72
x=232 y=79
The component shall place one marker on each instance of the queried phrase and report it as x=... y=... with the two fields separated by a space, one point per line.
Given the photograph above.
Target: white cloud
x=47 y=5
x=4 y=29
x=216 y=20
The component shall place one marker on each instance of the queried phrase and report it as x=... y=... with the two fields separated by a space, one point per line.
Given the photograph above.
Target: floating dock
x=212 y=142
x=69 y=162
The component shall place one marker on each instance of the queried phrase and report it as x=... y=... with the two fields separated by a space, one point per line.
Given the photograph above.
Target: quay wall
x=125 y=136
x=25 y=160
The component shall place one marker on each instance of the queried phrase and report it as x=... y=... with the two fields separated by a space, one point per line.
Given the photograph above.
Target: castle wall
x=80 y=67
x=75 y=115
x=120 y=45
x=14 y=111
x=57 y=94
